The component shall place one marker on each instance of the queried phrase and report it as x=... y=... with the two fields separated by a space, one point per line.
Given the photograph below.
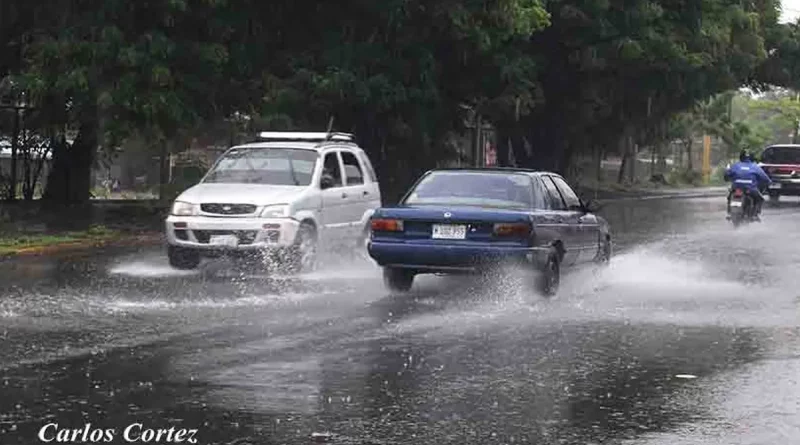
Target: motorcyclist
x=746 y=174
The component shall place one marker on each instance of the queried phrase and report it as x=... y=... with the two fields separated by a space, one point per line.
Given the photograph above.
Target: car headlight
x=180 y=208
x=276 y=211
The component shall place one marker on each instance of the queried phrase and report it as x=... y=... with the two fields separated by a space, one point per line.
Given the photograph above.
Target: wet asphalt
x=691 y=336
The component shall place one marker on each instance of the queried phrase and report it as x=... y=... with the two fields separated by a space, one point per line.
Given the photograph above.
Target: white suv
x=283 y=196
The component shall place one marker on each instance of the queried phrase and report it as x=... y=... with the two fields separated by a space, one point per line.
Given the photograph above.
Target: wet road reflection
x=118 y=337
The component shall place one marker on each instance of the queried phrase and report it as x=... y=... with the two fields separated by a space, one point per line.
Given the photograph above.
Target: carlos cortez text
x=133 y=433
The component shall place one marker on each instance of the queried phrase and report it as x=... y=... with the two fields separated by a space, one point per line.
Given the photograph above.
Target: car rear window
x=504 y=190
x=781 y=155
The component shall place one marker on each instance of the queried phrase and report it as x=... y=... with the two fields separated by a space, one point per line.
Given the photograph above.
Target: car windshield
x=502 y=190
x=273 y=166
x=781 y=155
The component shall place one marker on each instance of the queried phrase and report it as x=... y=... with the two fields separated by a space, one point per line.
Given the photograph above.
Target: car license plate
x=775 y=185
x=224 y=240
x=736 y=203
x=448 y=231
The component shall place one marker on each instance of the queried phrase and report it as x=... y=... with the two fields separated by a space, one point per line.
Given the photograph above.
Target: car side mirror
x=591 y=206
x=326 y=182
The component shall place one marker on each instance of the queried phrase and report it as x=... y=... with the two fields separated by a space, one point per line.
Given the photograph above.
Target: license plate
x=736 y=203
x=776 y=185
x=224 y=240
x=447 y=231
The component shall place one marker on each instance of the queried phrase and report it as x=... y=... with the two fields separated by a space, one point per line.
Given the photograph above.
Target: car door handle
x=366 y=193
x=344 y=195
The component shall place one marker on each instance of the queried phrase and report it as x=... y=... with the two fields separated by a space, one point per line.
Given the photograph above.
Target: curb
x=75 y=246
x=714 y=194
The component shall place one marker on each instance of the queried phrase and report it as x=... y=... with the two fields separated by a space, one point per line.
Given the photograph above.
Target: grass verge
x=44 y=243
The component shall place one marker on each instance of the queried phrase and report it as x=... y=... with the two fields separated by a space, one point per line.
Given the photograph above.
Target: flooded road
x=691 y=336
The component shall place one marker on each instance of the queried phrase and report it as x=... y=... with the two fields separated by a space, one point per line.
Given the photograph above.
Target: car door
x=587 y=229
x=564 y=221
x=356 y=189
x=334 y=214
x=373 y=186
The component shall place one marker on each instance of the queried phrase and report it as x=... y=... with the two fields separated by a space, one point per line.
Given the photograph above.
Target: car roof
x=527 y=171
x=312 y=146
x=796 y=146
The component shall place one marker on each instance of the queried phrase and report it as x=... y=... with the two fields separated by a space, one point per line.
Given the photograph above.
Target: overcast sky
x=791 y=10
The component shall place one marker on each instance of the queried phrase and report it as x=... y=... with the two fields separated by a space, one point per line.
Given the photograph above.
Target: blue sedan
x=468 y=220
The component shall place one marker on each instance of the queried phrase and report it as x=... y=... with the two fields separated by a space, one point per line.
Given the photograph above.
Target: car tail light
x=512 y=229
x=386 y=225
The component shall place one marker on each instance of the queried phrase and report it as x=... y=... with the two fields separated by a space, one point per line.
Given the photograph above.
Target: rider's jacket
x=747 y=175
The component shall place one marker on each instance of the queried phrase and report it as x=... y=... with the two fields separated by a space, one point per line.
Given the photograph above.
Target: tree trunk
x=164 y=167
x=689 y=156
x=12 y=189
x=598 y=163
x=70 y=179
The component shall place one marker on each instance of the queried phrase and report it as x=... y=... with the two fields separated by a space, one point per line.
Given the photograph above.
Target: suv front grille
x=245 y=236
x=228 y=209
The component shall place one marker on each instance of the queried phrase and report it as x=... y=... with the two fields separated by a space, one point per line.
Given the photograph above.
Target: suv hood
x=256 y=194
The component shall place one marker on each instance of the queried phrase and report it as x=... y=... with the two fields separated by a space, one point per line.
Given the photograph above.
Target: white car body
x=244 y=216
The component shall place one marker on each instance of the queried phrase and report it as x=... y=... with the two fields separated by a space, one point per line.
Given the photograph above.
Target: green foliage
x=566 y=76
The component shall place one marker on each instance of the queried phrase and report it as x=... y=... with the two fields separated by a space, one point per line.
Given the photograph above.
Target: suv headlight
x=180 y=208
x=276 y=211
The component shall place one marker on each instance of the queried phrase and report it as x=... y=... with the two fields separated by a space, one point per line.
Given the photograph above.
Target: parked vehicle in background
x=782 y=164
x=470 y=220
x=283 y=196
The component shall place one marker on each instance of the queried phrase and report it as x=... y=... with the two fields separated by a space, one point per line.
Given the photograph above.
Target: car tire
x=548 y=279
x=604 y=251
x=303 y=252
x=183 y=258
x=361 y=249
x=397 y=279
x=774 y=197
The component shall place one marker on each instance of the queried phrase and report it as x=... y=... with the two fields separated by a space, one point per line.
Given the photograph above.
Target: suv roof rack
x=310 y=136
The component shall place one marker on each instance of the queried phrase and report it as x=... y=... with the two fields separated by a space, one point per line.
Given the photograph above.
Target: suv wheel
x=303 y=253
x=182 y=258
x=397 y=279
x=604 y=251
x=549 y=277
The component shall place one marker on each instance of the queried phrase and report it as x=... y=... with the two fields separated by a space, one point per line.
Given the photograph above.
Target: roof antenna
x=330 y=126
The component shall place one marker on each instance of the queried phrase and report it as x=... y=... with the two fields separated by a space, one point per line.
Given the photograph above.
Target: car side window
x=352 y=169
x=540 y=197
x=556 y=202
x=330 y=168
x=570 y=198
x=368 y=167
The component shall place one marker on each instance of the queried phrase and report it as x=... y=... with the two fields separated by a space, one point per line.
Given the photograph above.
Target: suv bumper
x=784 y=187
x=251 y=234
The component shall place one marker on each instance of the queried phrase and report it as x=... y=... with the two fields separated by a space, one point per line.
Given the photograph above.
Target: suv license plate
x=224 y=240
x=446 y=231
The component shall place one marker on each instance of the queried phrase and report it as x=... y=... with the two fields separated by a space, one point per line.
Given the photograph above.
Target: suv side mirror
x=591 y=206
x=326 y=182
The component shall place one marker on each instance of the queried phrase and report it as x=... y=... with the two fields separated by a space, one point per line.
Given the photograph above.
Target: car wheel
x=774 y=197
x=303 y=253
x=604 y=251
x=182 y=258
x=361 y=248
x=398 y=279
x=549 y=277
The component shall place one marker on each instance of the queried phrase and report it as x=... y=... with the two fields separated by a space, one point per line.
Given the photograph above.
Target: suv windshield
x=781 y=155
x=474 y=189
x=273 y=166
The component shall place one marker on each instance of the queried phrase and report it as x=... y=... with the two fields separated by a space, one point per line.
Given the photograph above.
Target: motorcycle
x=741 y=207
